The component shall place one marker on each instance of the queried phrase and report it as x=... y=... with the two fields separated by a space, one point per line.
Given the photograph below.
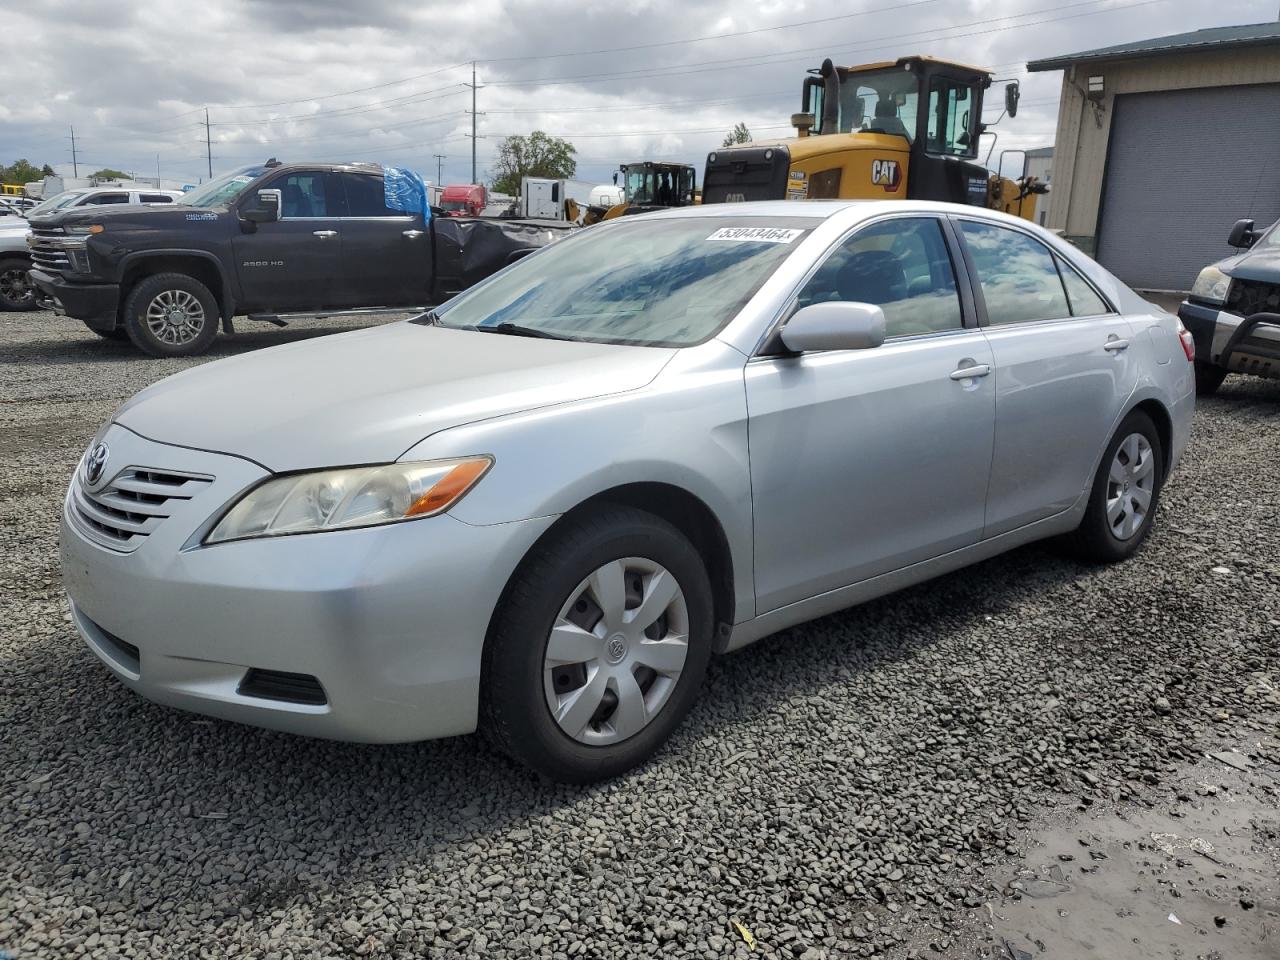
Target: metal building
x=1162 y=145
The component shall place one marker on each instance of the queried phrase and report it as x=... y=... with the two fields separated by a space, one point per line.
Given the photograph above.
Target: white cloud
x=135 y=78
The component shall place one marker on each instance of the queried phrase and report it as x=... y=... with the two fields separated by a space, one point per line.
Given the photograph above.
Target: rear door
x=386 y=253
x=1063 y=372
x=295 y=263
x=866 y=461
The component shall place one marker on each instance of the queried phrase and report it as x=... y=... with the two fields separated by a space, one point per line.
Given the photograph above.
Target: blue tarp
x=405 y=191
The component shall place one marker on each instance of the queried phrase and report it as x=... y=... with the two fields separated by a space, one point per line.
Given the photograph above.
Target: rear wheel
x=599 y=648
x=1125 y=494
x=171 y=315
x=1208 y=378
x=17 y=292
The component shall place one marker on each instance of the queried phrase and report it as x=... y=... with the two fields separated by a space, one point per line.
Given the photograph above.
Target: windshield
x=877 y=101
x=220 y=191
x=1271 y=238
x=454 y=205
x=663 y=282
x=57 y=202
x=669 y=187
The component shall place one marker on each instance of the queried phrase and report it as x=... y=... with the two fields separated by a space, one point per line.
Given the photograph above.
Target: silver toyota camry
x=540 y=509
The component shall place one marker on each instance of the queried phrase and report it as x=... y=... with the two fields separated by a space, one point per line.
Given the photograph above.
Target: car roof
x=850 y=210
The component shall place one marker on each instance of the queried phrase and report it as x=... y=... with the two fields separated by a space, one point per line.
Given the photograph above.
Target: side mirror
x=834 y=325
x=1242 y=234
x=1012 y=93
x=265 y=208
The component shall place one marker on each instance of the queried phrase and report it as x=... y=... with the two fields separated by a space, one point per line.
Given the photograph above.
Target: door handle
x=412 y=234
x=324 y=234
x=1115 y=345
x=976 y=370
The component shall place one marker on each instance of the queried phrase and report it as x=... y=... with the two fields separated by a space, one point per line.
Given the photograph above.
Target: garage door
x=1182 y=167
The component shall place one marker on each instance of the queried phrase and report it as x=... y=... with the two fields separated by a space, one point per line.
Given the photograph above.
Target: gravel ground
x=846 y=788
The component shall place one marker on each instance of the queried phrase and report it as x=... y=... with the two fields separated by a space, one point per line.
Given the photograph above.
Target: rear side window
x=1085 y=301
x=1018 y=276
x=902 y=266
x=156 y=198
x=366 y=197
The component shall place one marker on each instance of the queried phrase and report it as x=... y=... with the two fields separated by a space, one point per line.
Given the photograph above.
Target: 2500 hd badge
x=262 y=263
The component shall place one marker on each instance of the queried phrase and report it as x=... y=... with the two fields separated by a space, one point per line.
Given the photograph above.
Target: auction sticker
x=756 y=234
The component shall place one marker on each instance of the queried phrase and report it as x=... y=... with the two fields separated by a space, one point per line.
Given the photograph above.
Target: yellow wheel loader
x=886 y=131
x=652 y=185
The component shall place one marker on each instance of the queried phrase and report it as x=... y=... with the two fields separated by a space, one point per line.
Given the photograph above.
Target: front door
x=294 y=263
x=1064 y=370
x=386 y=253
x=866 y=461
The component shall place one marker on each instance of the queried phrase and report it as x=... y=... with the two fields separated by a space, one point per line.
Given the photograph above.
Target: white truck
x=542 y=198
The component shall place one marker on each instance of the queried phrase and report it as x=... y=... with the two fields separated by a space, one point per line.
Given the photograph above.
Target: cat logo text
x=887 y=174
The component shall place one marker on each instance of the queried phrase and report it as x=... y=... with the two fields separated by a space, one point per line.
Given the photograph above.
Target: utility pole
x=474 y=136
x=75 y=167
x=440 y=157
x=208 y=142
x=157 y=171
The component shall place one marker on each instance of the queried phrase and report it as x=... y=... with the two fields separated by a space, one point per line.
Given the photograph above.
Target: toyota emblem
x=95 y=463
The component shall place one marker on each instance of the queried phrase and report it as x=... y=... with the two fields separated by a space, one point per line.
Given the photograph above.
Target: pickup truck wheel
x=171 y=315
x=17 y=292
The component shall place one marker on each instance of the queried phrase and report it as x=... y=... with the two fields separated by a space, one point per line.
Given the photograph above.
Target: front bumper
x=94 y=303
x=389 y=620
x=1239 y=344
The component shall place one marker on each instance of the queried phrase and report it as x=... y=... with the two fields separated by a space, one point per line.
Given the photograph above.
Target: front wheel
x=1125 y=493
x=17 y=292
x=599 y=647
x=171 y=315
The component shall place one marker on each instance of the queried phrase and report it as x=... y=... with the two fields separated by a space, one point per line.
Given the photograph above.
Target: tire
x=518 y=685
x=184 y=294
x=1208 y=378
x=17 y=292
x=1103 y=537
x=116 y=333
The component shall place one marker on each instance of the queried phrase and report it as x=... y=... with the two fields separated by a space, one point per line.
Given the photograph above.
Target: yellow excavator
x=900 y=129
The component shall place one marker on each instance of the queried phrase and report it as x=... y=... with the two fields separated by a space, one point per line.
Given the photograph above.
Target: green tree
x=22 y=171
x=47 y=171
x=106 y=173
x=537 y=155
x=739 y=134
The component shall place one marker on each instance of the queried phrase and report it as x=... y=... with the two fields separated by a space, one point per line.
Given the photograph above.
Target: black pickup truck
x=267 y=242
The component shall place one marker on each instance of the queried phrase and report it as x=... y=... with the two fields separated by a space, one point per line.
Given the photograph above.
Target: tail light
x=1188 y=342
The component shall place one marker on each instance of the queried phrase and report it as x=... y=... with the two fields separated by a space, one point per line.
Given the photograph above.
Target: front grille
x=133 y=505
x=280 y=685
x=46 y=250
x=1247 y=297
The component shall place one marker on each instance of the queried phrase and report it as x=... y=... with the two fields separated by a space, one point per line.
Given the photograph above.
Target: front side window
x=664 y=283
x=903 y=267
x=307 y=195
x=1018 y=276
x=105 y=198
x=950 y=128
x=156 y=198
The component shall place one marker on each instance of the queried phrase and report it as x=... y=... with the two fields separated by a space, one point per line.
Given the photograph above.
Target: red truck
x=463 y=200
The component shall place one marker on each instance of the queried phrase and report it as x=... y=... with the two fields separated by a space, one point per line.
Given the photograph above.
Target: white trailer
x=543 y=198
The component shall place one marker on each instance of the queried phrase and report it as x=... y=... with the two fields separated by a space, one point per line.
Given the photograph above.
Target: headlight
x=84 y=231
x=1211 y=286
x=343 y=499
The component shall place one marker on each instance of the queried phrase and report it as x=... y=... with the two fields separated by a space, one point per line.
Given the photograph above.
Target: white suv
x=95 y=196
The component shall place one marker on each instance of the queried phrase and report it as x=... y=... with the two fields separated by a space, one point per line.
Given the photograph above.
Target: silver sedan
x=540 y=509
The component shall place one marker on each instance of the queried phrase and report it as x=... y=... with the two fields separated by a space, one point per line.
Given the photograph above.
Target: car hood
x=1260 y=263
x=123 y=215
x=370 y=395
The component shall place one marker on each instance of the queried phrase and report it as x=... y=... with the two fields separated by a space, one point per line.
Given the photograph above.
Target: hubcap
x=616 y=651
x=175 y=317
x=16 y=287
x=1130 y=486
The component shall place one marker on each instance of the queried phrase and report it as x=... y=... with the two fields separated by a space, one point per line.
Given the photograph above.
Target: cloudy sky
x=384 y=80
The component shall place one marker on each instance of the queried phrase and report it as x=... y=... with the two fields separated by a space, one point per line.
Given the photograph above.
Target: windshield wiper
x=518 y=330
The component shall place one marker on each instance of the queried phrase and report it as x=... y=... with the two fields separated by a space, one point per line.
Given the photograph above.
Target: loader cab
x=650 y=185
x=934 y=105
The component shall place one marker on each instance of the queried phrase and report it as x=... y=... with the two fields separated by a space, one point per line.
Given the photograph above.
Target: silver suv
x=541 y=509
